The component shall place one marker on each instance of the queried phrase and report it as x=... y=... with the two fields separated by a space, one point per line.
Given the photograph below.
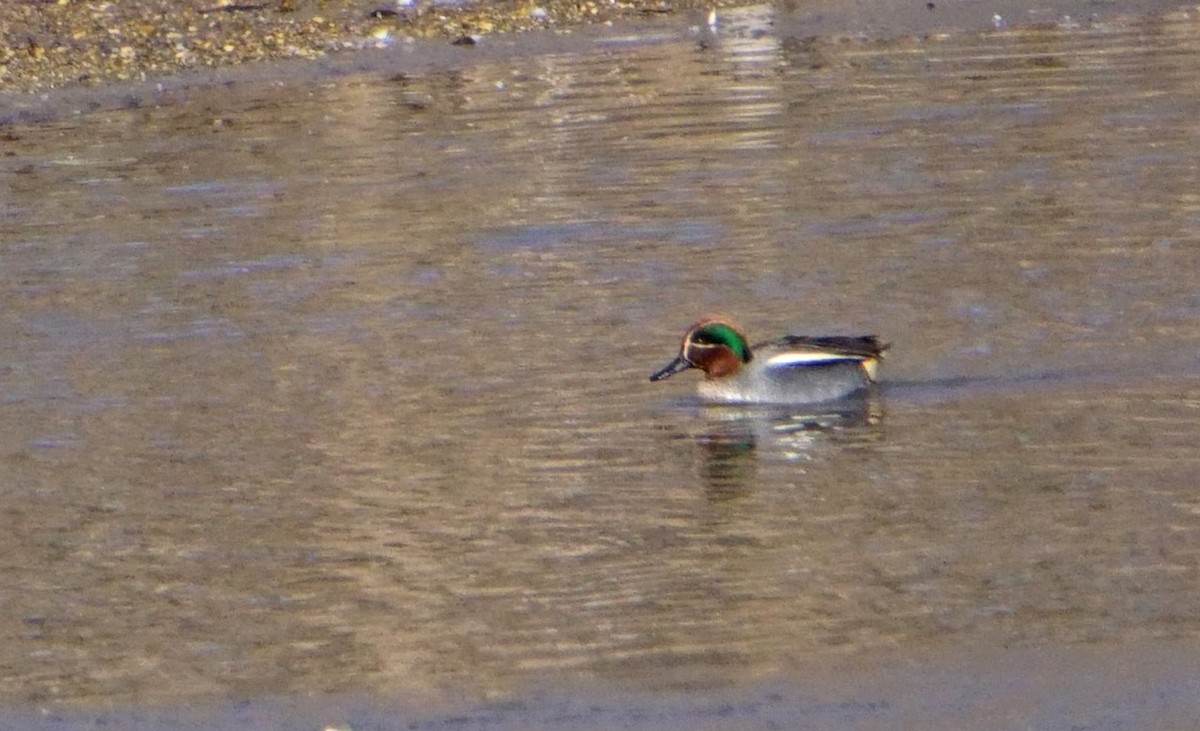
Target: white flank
x=801 y=358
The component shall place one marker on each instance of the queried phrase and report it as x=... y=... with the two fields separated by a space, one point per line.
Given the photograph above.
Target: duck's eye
x=703 y=338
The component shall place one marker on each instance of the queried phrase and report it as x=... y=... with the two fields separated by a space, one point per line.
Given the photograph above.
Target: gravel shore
x=50 y=44
x=78 y=44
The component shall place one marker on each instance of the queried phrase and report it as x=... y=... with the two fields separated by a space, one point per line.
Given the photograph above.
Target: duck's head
x=714 y=344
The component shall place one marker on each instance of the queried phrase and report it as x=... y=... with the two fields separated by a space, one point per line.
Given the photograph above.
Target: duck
x=793 y=369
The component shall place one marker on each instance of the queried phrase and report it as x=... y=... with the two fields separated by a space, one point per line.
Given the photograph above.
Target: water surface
x=342 y=388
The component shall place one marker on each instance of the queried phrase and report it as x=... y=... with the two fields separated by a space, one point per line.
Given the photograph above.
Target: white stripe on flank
x=802 y=358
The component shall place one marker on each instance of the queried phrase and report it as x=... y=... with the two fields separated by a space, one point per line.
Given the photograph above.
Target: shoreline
x=56 y=44
x=84 y=49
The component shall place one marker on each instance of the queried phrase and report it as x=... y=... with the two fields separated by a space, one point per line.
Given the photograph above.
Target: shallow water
x=343 y=388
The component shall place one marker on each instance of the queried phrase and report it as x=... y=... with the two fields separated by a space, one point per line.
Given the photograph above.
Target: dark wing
x=851 y=346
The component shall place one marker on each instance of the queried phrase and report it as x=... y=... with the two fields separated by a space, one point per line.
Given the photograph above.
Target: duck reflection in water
x=735 y=440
